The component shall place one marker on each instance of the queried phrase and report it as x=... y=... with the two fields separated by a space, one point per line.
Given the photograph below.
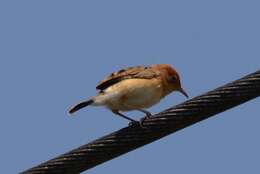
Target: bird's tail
x=80 y=106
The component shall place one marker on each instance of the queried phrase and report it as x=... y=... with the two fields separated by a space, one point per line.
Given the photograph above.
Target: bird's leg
x=132 y=121
x=147 y=115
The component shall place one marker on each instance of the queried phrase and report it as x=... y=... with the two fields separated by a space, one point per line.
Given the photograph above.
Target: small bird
x=135 y=88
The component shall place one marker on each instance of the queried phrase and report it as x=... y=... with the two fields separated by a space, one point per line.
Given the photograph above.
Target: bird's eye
x=173 y=79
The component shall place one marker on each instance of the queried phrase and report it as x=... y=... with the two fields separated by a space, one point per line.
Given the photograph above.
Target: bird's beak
x=183 y=92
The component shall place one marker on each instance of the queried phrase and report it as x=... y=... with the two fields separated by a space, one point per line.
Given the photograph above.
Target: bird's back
x=137 y=72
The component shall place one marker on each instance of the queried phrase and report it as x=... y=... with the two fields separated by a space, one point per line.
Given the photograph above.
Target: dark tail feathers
x=80 y=106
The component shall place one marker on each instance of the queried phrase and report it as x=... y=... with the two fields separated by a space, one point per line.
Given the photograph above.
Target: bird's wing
x=137 y=72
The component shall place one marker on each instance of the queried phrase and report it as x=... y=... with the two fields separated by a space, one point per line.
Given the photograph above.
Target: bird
x=134 y=88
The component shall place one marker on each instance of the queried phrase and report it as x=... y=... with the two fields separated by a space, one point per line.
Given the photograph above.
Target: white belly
x=133 y=94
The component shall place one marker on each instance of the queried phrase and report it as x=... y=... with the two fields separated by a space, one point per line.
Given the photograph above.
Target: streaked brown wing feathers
x=123 y=74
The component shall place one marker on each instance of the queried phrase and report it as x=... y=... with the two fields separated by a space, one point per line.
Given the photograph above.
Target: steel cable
x=158 y=126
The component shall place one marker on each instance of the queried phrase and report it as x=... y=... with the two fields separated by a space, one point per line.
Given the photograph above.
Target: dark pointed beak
x=183 y=92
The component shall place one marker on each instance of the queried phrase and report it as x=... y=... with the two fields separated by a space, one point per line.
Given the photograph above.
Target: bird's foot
x=131 y=123
x=148 y=115
x=140 y=123
x=143 y=119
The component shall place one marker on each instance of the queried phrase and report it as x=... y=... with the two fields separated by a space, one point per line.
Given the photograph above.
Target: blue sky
x=53 y=53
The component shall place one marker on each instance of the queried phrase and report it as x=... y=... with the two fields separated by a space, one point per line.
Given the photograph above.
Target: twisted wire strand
x=158 y=126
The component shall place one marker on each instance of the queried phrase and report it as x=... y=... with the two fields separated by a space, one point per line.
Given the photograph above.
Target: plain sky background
x=53 y=53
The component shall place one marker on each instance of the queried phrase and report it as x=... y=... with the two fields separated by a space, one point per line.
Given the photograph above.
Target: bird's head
x=171 y=79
